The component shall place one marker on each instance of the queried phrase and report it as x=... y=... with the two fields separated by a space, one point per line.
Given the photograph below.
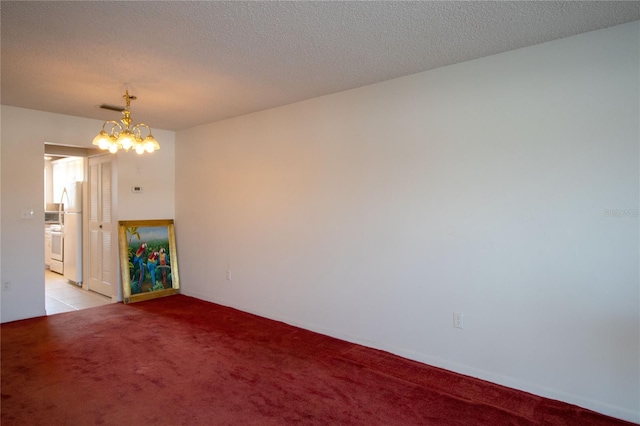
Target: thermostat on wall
x=136 y=189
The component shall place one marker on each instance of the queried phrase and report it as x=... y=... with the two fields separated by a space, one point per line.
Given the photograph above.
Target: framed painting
x=148 y=259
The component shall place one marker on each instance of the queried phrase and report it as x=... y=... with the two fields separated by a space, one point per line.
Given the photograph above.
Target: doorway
x=64 y=292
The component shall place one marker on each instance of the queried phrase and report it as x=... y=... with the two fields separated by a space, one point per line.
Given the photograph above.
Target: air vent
x=112 y=107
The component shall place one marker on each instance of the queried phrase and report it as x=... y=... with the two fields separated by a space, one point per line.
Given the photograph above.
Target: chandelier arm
x=113 y=127
x=136 y=133
x=137 y=127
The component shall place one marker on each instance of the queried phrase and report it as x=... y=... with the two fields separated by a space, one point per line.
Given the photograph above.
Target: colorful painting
x=148 y=259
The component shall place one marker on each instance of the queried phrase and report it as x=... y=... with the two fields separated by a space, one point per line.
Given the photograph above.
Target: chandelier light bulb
x=102 y=140
x=113 y=148
x=126 y=139
x=151 y=144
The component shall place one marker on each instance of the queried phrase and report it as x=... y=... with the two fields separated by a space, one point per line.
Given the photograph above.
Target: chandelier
x=124 y=136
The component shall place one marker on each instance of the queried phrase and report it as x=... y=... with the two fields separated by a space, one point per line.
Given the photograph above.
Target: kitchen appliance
x=57 y=249
x=72 y=232
x=51 y=217
x=47 y=248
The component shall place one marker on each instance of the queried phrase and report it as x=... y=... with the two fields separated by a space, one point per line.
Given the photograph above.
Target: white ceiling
x=192 y=63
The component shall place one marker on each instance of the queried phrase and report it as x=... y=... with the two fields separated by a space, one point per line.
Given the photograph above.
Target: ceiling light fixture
x=123 y=135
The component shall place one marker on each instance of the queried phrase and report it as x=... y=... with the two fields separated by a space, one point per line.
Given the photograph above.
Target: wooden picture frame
x=148 y=259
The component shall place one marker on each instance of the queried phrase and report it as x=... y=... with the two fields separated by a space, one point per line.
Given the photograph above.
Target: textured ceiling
x=191 y=63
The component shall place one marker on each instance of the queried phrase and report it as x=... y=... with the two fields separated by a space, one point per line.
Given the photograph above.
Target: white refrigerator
x=72 y=232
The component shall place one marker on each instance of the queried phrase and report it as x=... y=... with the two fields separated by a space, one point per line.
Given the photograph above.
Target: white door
x=103 y=236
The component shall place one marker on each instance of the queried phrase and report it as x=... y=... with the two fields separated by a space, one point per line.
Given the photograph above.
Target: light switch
x=28 y=214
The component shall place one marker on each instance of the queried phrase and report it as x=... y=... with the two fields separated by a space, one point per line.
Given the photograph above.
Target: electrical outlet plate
x=458 y=320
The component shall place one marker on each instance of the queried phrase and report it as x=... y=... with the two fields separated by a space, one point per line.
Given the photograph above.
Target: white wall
x=155 y=174
x=22 y=149
x=483 y=187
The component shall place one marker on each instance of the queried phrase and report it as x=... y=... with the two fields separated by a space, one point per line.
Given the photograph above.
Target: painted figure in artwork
x=162 y=258
x=138 y=259
x=152 y=261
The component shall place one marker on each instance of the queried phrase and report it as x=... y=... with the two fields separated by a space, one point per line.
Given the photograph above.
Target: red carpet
x=182 y=361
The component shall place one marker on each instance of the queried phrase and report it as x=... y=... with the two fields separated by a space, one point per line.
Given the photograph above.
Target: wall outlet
x=458 y=320
x=6 y=286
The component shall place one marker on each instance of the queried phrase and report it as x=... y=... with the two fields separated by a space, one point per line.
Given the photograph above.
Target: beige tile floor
x=62 y=296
